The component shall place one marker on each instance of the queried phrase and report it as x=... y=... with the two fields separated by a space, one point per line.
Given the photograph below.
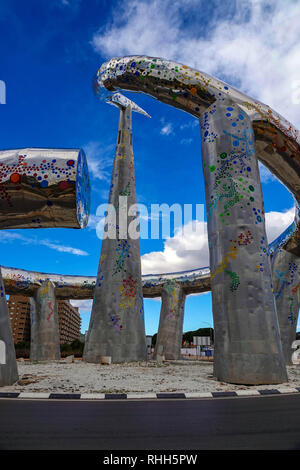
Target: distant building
x=19 y=312
x=68 y=316
x=201 y=340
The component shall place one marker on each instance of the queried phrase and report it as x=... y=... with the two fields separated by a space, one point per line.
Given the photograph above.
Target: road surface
x=220 y=423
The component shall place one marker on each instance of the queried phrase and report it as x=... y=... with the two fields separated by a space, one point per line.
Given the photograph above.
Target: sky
x=50 y=52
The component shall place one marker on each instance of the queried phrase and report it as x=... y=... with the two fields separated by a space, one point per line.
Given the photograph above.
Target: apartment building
x=69 y=322
x=68 y=317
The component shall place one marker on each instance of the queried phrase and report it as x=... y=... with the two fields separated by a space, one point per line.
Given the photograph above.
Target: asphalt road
x=219 y=423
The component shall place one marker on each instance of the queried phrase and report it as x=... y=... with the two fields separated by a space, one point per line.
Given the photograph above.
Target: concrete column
x=169 y=336
x=247 y=341
x=8 y=363
x=117 y=320
x=286 y=282
x=45 y=340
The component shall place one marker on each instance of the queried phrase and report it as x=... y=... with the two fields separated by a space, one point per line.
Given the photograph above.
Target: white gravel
x=171 y=376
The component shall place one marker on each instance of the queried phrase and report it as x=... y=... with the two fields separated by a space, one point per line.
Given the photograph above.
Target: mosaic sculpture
x=235 y=131
x=44 y=324
x=169 y=336
x=22 y=282
x=286 y=290
x=117 y=320
x=39 y=188
x=285 y=280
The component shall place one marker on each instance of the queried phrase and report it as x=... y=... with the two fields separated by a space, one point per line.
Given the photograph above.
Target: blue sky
x=50 y=52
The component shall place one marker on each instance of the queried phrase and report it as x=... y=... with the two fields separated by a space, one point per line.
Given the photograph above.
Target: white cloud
x=82 y=304
x=186 y=250
x=252 y=44
x=277 y=222
x=72 y=4
x=100 y=160
x=189 y=250
x=186 y=141
x=265 y=175
x=10 y=236
x=93 y=221
x=7 y=237
x=190 y=125
x=167 y=129
x=63 y=248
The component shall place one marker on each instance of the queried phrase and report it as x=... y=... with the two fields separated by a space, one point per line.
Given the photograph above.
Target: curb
x=144 y=396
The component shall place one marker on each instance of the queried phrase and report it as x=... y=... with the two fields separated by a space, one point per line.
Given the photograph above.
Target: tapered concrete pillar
x=169 y=336
x=8 y=363
x=247 y=341
x=286 y=282
x=117 y=320
x=45 y=340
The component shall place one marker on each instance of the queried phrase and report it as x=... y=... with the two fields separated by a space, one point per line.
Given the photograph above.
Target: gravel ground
x=170 y=376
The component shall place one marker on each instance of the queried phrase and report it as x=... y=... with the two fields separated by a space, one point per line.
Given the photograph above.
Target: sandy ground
x=171 y=376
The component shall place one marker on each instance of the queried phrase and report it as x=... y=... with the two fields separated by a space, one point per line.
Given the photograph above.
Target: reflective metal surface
x=44 y=188
x=119 y=100
x=169 y=335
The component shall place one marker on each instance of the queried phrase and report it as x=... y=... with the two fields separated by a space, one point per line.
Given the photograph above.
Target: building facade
x=69 y=322
x=19 y=311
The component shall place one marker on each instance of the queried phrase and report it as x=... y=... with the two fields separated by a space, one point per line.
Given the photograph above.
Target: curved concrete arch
x=22 y=282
